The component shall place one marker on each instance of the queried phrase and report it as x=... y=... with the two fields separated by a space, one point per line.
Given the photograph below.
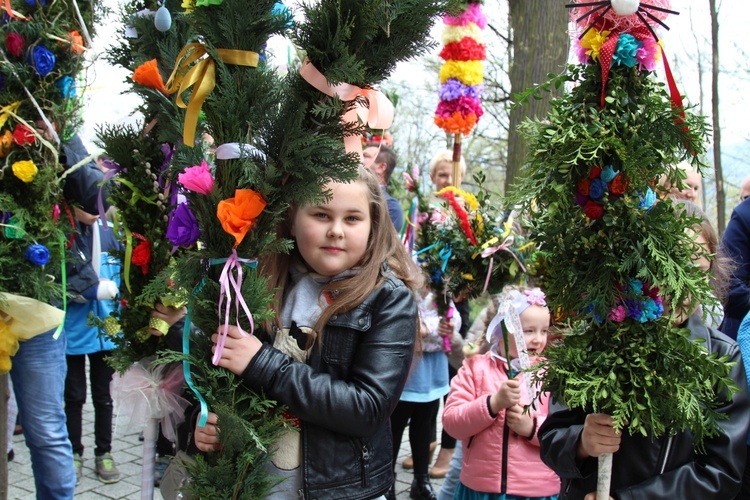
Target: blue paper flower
x=37 y=254
x=597 y=189
x=651 y=309
x=67 y=87
x=608 y=173
x=647 y=200
x=627 y=47
x=42 y=60
x=34 y=2
x=635 y=286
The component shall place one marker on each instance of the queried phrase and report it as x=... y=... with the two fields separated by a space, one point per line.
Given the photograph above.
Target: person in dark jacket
x=381 y=161
x=735 y=244
x=343 y=384
x=94 y=277
x=643 y=467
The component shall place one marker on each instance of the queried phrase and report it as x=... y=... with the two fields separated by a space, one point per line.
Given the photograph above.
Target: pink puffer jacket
x=487 y=442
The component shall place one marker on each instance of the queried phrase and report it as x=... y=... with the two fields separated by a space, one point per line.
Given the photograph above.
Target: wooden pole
x=457 y=160
x=4 y=397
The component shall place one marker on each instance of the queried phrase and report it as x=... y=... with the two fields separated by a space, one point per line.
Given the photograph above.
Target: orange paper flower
x=6 y=143
x=237 y=215
x=147 y=74
x=76 y=42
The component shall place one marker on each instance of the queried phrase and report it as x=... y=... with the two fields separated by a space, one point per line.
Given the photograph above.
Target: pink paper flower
x=648 y=55
x=536 y=297
x=617 y=314
x=197 y=178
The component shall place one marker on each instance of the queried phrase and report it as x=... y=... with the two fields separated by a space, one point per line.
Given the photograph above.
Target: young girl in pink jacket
x=485 y=410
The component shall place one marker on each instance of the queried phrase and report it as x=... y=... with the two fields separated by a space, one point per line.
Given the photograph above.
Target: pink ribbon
x=377 y=115
x=227 y=282
x=490 y=252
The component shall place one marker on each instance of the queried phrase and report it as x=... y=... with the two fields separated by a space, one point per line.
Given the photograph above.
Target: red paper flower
x=462 y=216
x=142 y=256
x=15 y=43
x=23 y=135
x=596 y=171
x=619 y=185
x=593 y=210
x=583 y=186
x=467 y=49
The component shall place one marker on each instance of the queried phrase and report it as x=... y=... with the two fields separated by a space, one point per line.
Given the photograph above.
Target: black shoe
x=11 y=455
x=391 y=495
x=421 y=489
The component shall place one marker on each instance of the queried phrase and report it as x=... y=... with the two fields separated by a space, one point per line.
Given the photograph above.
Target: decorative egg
x=163 y=19
x=625 y=7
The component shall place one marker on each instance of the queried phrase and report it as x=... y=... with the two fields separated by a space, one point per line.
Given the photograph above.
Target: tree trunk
x=540 y=46
x=720 y=194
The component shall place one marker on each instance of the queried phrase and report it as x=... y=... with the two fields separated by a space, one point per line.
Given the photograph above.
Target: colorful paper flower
x=625 y=52
x=142 y=256
x=619 y=185
x=453 y=89
x=147 y=74
x=472 y=14
x=25 y=170
x=197 y=178
x=592 y=43
x=456 y=123
x=67 y=86
x=23 y=135
x=648 y=55
x=237 y=215
x=465 y=50
x=34 y=2
x=15 y=44
x=608 y=173
x=37 y=254
x=597 y=189
x=42 y=60
x=183 y=227
x=188 y=5
x=593 y=210
x=6 y=143
x=647 y=200
x=584 y=186
x=76 y=42
x=468 y=72
x=617 y=314
x=207 y=3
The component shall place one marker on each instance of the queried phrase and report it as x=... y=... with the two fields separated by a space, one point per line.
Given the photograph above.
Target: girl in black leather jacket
x=339 y=351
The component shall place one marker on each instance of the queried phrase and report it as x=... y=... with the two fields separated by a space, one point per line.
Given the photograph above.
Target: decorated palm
x=42 y=53
x=619 y=261
x=279 y=139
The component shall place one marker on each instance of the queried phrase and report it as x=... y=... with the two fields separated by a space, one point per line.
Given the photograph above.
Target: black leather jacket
x=346 y=393
x=662 y=468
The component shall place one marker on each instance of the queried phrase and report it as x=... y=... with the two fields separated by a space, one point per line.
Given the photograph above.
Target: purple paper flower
x=37 y=254
x=183 y=228
x=42 y=60
x=453 y=88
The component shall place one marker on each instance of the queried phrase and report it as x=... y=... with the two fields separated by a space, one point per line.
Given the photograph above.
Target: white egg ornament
x=625 y=7
x=163 y=19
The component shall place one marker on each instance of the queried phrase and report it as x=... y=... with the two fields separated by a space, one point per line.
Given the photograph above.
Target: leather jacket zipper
x=365 y=465
x=666 y=455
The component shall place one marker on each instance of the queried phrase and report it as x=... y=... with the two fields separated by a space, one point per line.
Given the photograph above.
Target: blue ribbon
x=445 y=254
x=186 y=371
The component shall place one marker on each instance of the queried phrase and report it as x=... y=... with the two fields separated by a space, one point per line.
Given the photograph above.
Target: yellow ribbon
x=202 y=75
x=377 y=115
x=6 y=111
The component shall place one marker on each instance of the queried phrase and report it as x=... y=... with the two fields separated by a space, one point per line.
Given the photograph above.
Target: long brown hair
x=383 y=247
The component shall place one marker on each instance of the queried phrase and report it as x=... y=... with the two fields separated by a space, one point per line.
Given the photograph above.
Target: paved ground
x=127 y=452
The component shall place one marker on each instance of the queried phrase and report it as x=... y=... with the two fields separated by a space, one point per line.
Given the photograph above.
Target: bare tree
x=540 y=47
x=720 y=195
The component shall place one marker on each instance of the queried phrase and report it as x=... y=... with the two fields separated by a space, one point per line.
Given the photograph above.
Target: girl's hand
x=598 y=436
x=207 y=438
x=238 y=350
x=508 y=395
x=518 y=422
x=592 y=496
x=446 y=327
x=169 y=315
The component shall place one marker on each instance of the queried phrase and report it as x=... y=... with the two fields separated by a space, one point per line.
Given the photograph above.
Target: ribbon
x=14 y=14
x=112 y=170
x=128 y=256
x=490 y=251
x=186 y=371
x=7 y=111
x=64 y=283
x=378 y=114
x=227 y=282
x=203 y=75
x=235 y=150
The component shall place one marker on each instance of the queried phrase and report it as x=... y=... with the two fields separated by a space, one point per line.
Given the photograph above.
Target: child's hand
x=518 y=422
x=592 y=496
x=169 y=315
x=446 y=327
x=508 y=395
x=238 y=350
x=598 y=436
x=207 y=438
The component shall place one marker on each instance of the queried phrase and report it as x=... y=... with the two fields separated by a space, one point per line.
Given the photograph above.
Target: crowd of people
x=356 y=352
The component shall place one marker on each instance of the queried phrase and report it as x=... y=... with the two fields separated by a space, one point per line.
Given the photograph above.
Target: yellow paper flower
x=25 y=170
x=456 y=33
x=188 y=5
x=468 y=72
x=470 y=199
x=593 y=41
